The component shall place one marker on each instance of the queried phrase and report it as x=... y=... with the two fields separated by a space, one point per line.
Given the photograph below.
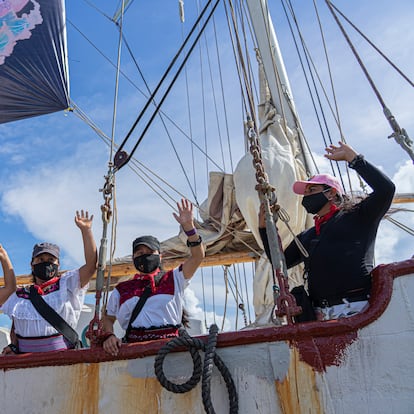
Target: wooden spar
x=403 y=198
x=122 y=271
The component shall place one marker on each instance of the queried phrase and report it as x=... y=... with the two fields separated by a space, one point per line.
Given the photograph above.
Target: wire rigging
x=399 y=134
x=193 y=191
x=376 y=48
x=309 y=61
x=121 y=158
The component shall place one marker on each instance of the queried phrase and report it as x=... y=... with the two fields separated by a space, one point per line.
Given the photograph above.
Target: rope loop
x=210 y=357
x=183 y=340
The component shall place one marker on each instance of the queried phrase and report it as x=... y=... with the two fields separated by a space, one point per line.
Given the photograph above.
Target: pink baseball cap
x=320 y=179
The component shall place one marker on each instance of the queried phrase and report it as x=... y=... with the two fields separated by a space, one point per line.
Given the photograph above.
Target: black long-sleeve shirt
x=342 y=256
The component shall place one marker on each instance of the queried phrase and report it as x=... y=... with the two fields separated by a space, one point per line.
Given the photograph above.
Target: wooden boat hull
x=362 y=364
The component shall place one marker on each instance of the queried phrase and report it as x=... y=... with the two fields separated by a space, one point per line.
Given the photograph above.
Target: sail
x=33 y=59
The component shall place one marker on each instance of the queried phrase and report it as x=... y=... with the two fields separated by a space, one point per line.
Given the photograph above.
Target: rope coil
x=210 y=357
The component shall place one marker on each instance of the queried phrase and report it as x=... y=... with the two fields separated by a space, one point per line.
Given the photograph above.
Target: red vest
x=136 y=286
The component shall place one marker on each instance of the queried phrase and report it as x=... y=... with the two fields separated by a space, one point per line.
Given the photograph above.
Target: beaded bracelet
x=190 y=232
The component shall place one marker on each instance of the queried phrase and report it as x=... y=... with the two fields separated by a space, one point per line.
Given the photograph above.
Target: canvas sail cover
x=33 y=58
x=222 y=227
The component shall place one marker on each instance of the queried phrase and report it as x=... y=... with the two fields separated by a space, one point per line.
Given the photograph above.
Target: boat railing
x=342 y=329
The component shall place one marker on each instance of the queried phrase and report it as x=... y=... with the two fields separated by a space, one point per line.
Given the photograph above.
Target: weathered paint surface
x=298 y=392
x=86 y=377
x=364 y=364
x=321 y=352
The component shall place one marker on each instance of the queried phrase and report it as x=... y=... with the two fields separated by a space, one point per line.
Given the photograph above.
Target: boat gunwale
x=383 y=277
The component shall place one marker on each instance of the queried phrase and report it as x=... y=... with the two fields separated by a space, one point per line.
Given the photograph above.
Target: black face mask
x=45 y=270
x=314 y=202
x=147 y=263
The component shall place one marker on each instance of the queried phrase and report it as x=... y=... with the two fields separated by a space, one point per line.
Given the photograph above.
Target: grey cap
x=50 y=248
x=149 y=241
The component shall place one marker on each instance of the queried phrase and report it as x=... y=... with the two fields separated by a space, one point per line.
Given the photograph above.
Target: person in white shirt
x=65 y=293
x=162 y=312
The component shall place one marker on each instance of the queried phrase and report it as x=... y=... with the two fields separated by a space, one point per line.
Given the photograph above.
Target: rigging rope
x=398 y=70
x=226 y=285
x=95 y=326
x=210 y=357
x=251 y=110
x=280 y=86
x=399 y=134
x=285 y=304
x=312 y=70
x=237 y=61
x=162 y=121
x=143 y=172
x=223 y=98
x=121 y=158
x=212 y=88
x=397 y=223
x=132 y=83
x=307 y=83
x=190 y=124
x=338 y=118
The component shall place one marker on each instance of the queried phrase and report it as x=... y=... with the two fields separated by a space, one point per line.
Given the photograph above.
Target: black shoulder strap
x=50 y=315
x=138 y=307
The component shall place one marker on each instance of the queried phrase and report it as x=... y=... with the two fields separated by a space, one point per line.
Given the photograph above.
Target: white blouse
x=67 y=302
x=159 y=309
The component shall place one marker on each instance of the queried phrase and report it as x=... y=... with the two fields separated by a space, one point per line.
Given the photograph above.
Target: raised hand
x=343 y=152
x=82 y=220
x=185 y=214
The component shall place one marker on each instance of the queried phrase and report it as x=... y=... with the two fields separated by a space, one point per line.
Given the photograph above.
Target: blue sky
x=52 y=165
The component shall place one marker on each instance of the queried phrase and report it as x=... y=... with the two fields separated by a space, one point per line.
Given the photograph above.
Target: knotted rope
x=210 y=357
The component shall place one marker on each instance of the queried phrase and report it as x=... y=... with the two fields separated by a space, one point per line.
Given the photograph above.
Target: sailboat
x=272 y=365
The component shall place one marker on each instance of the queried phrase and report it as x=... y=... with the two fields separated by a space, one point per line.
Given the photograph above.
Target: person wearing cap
x=161 y=314
x=341 y=244
x=65 y=293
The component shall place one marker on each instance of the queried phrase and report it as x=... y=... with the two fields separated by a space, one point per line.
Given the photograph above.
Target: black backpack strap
x=51 y=316
x=138 y=307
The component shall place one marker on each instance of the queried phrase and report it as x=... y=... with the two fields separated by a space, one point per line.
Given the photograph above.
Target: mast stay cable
x=399 y=134
x=121 y=157
x=95 y=328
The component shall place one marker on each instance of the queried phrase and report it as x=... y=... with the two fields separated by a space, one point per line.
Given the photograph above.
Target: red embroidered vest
x=136 y=286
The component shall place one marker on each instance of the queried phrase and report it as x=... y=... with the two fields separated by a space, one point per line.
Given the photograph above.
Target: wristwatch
x=357 y=158
x=194 y=243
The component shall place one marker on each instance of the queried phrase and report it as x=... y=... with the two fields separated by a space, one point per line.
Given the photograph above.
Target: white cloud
x=393 y=243
x=192 y=305
x=404 y=178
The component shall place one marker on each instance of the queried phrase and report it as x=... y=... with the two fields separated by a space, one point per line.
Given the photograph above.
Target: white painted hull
x=361 y=365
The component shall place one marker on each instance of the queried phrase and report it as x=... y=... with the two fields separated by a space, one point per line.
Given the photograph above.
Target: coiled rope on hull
x=209 y=349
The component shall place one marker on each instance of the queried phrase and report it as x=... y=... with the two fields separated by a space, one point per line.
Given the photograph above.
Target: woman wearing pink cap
x=341 y=244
